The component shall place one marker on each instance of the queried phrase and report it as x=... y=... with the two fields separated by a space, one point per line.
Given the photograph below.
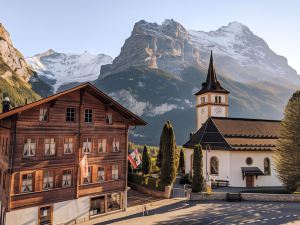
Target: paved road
x=242 y=213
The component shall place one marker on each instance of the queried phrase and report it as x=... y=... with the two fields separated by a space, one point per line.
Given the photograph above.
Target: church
x=237 y=152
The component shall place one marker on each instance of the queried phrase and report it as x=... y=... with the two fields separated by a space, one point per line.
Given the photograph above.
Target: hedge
x=146 y=181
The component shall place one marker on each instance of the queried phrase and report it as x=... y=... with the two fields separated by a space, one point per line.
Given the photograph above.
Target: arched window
x=214 y=165
x=216 y=99
x=267 y=167
x=219 y=99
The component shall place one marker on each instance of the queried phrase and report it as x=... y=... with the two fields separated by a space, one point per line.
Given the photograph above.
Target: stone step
x=233 y=197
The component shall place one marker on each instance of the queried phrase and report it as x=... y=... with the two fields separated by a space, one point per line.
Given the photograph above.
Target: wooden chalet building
x=41 y=146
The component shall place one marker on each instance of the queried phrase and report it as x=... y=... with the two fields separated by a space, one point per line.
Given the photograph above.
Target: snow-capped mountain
x=59 y=69
x=239 y=54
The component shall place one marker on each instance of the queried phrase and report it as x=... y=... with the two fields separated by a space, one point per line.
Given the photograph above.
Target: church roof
x=241 y=134
x=212 y=84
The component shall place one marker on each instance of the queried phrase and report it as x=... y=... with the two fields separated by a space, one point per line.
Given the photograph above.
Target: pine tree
x=146 y=161
x=198 y=179
x=168 y=170
x=159 y=157
x=181 y=168
x=287 y=153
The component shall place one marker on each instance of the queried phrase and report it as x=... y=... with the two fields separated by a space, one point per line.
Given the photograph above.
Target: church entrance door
x=249 y=181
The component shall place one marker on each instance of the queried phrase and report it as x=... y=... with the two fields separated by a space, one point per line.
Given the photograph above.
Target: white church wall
x=218 y=111
x=187 y=160
x=238 y=160
x=202 y=116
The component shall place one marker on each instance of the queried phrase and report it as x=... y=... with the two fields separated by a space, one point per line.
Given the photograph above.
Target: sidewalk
x=132 y=212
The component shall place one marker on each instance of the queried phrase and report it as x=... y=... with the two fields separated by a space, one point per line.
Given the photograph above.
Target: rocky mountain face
x=14 y=72
x=239 y=54
x=57 y=69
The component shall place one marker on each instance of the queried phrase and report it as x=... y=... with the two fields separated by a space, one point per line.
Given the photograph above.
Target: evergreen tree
x=168 y=170
x=159 y=157
x=198 y=179
x=181 y=162
x=146 y=161
x=287 y=153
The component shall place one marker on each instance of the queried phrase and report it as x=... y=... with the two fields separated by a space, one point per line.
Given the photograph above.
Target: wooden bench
x=220 y=183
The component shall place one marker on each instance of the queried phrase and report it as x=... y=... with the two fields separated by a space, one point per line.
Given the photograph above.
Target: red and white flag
x=135 y=158
x=84 y=166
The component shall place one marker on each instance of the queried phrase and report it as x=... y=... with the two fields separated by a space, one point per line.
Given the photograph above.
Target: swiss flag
x=84 y=166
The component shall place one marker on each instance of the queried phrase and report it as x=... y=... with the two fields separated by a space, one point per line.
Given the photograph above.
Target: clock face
x=218 y=110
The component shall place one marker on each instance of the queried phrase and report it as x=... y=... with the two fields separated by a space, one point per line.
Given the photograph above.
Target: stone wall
x=154 y=193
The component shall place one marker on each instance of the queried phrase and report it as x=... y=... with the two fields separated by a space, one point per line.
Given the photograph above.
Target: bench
x=220 y=183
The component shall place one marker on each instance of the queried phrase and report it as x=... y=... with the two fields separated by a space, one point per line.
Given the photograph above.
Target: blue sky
x=100 y=26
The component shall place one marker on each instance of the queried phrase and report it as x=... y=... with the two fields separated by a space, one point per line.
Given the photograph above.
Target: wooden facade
x=42 y=144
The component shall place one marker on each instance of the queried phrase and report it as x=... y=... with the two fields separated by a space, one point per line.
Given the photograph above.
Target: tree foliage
x=159 y=158
x=146 y=161
x=198 y=179
x=168 y=145
x=287 y=153
x=181 y=168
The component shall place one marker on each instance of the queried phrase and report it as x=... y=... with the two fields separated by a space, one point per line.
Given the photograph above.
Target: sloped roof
x=212 y=84
x=134 y=119
x=238 y=133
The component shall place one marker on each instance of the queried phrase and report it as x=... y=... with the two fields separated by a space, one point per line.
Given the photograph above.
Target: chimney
x=5 y=105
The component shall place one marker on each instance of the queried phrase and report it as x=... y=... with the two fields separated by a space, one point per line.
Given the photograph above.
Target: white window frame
x=102 y=143
x=43 y=115
x=116 y=146
x=29 y=147
x=48 y=180
x=101 y=174
x=49 y=146
x=115 y=172
x=68 y=145
x=87 y=145
x=27 y=183
x=88 y=179
x=67 y=178
x=88 y=114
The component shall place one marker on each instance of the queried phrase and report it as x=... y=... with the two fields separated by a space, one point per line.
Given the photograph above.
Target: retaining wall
x=154 y=193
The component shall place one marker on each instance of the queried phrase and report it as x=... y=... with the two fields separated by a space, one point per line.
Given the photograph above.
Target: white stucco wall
x=238 y=160
x=230 y=163
x=27 y=216
x=63 y=212
x=202 y=116
x=215 y=111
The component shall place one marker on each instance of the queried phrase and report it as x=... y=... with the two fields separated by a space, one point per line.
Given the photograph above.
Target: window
x=216 y=99
x=203 y=100
x=68 y=145
x=47 y=180
x=29 y=147
x=214 y=165
x=97 y=205
x=49 y=146
x=70 y=117
x=45 y=215
x=67 y=178
x=249 y=161
x=115 y=172
x=0 y=176
x=113 y=202
x=116 y=146
x=109 y=118
x=102 y=145
x=101 y=174
x=27 y=180
x=43 y=114
x=267 y=167
x=87 y=145
x=88 y=179
x=88 y=115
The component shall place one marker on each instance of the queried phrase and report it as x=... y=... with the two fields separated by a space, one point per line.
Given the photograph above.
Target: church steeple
x=212 y=99
x=212 y=83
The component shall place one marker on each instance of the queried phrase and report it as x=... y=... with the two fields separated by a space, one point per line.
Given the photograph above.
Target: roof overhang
x=251 y=171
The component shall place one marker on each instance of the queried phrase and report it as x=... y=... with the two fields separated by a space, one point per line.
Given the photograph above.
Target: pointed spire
x=212 y=84
x=211 y=79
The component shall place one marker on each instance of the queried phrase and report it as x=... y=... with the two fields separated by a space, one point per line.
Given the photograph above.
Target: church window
x=219 y=99
x=249 y=161
x=216 y=99
x=267 y=167
x=214 y=165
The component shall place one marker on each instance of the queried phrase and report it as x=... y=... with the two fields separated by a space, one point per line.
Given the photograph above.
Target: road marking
x=280 y=217
x=295 y=215
x=273 y=218
x=287 y=215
